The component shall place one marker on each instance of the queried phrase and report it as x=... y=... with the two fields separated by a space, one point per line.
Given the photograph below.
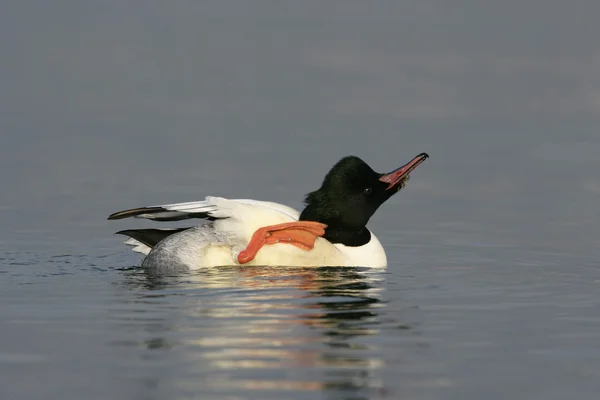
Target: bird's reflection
x=272 y=329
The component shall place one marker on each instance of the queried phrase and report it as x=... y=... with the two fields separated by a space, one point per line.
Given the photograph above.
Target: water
x=441 y=324
x=493 y=278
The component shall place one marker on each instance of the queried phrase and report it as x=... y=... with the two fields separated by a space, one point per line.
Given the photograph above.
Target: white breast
x=371 y=254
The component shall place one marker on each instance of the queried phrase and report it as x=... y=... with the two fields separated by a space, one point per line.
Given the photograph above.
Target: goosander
x=330 y=231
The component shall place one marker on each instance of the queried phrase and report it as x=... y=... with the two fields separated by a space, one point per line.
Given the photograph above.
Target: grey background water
x=492 y=289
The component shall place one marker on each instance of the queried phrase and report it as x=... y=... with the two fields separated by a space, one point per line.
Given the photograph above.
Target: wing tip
x=134 y=212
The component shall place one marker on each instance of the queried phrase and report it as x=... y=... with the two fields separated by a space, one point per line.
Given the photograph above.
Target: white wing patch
x=237 y=219
x=219 y=207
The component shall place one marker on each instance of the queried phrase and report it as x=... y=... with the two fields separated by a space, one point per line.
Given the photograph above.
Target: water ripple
x=245 y=324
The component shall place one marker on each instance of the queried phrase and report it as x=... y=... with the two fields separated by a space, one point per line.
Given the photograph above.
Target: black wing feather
x=135 y=211
x=150 y=237
x=154 y=214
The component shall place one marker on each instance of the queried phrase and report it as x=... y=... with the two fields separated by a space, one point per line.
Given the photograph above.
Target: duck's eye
x=368 y=190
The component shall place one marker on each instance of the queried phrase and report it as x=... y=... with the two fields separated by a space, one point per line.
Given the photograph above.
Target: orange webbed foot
x=302 y=234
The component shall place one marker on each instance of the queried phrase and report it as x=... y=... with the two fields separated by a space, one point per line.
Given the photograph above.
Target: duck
x=331 y=230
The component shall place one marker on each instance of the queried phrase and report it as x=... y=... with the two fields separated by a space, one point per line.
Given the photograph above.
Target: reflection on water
x=264 y=330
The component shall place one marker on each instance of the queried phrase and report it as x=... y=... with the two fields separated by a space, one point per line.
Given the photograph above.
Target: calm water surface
x=493 y=284
x=447 y=322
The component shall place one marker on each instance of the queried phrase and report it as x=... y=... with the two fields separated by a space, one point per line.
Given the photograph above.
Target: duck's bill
x=397 y=177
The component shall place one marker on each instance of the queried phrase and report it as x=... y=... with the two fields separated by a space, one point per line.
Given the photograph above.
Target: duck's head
x=350 y=194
